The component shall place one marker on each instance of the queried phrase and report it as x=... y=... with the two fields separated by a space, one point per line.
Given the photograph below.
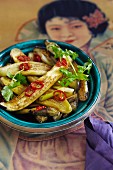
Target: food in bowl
x=47 y=82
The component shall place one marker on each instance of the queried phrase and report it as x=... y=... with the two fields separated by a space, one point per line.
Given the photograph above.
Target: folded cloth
x=99 y=147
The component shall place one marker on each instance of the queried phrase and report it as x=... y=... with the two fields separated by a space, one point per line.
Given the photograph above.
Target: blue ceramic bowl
x=83 y=110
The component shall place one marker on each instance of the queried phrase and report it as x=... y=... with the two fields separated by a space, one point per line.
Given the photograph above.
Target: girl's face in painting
x=71 y=31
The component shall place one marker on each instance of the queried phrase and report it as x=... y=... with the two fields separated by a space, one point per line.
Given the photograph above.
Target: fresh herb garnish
x=7 y=93
x=20 y=78
x=80 y=74
x=17 y=80
x=86 y=68
x=59 y=53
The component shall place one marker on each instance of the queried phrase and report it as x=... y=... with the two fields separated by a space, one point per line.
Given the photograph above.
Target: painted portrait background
x=18 y=23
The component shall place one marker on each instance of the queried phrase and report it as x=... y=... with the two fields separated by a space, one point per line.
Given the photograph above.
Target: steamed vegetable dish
x=46 y=83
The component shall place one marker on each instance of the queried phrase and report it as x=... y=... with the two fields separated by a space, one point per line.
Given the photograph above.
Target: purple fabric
x=99 y=147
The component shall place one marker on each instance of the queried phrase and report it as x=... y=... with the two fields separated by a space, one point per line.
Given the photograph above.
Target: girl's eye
x=55 y=28
x=77 y=26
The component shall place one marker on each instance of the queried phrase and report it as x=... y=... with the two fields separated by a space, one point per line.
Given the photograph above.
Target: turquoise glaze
x=83 y=110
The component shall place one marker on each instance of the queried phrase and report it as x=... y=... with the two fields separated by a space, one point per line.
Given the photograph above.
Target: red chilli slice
x=23 y=58
x=29 y=91
x=24 y=66
x=59 y=95
x=61 y=62
x=36 y=85
x=37 y=58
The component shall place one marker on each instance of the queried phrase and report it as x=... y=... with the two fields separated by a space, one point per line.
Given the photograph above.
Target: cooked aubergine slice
x=15 y=53
x=83 y=92
x=45 y=56
x=35 y=68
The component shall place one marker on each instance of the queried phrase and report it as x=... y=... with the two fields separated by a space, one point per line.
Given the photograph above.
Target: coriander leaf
x=88 y=66
x=20 y=78
x=66 y=72
x=82 y=76
x=17 y=80
x=7 y=93
x=72 y=54
x=64 y=82
x=70 y=77
x=81 y=69
x=59 y=53
x=85 y=68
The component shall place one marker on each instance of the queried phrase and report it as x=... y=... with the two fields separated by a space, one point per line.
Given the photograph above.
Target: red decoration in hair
x=95 y=19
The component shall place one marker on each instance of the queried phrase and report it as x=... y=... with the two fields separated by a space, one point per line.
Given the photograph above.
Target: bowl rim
x=16 y=123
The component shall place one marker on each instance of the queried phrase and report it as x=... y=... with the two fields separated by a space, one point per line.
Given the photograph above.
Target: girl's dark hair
x=69 y=8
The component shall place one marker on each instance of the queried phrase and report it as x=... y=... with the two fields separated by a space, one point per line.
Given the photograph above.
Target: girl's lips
x=69 y=41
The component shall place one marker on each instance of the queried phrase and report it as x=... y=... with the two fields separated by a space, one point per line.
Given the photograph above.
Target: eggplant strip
x=15 y=52
x=45 y=55
x=36 y=68
x=41 y=119
x=83 y=92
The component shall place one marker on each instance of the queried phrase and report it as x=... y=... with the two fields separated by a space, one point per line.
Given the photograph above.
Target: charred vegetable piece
x=57 y=117
x=83 y=92
x=74 y=105
x=52 y=111
x=23 y=101
x=35 y=68
x=45 y=56
x=41 y=119
x=46 y=111
x=18 y=56
x=73 y=98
